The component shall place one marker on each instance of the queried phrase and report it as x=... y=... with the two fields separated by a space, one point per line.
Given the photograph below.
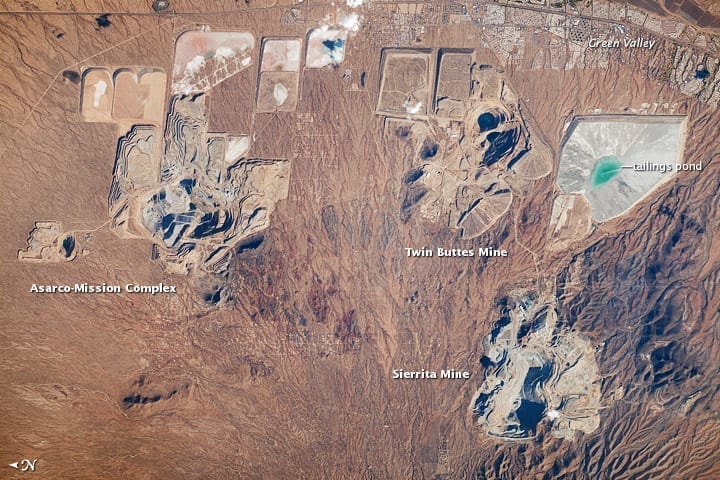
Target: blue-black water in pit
x=529 y=414
x=334 y=44
x=702 y=73
x=68 y=245
x=487 y=121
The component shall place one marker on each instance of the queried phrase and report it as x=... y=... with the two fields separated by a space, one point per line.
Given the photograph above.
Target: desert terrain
x=283 y=191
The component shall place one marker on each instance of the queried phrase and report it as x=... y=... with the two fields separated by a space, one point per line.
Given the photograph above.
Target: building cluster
x=547 y=35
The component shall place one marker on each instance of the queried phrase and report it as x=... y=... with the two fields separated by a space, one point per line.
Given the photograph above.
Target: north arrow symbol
x=14 y=465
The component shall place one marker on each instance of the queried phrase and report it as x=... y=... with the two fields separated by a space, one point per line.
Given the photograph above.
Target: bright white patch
x=280 y=93
x=194 y=64
x=100 y=89
x=318 y=54
x=236 y=148
x=552 y=414
x=350 y=22
x=224 y=52
x=413 y=108
x=354 y=3
x=202 y=46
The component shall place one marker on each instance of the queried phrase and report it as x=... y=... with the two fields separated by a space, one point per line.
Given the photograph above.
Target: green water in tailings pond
x=606 y=168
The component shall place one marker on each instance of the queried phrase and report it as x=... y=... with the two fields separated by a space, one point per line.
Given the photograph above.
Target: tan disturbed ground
x=291 y=376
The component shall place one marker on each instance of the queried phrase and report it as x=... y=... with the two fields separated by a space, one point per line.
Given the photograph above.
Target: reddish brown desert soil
x=292 y=379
